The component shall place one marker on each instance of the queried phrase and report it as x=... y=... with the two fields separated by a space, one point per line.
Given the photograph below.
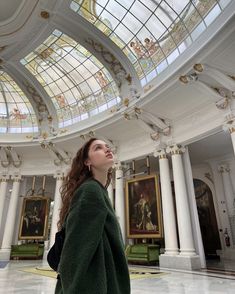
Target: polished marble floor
x=14 y=280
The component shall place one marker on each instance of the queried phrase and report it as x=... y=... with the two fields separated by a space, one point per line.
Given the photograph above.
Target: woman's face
x=100 y=155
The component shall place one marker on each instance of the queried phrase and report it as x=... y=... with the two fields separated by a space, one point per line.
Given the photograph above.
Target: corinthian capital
x=16 y=178
x=118 y=165
x=223 y=168
x=161 y=153
x=175 y=149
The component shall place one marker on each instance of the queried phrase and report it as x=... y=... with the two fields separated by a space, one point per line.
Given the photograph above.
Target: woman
x=92 y=260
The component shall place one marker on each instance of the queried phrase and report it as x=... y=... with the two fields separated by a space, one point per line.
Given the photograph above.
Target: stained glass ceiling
x=16 y=112
x=77 y=83
x=151 y=33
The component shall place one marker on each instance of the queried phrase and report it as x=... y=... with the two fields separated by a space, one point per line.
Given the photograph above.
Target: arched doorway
x=207 y=219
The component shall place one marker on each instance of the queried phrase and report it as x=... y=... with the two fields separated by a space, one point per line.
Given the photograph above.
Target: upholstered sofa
x=143 y=253
x=27 y=251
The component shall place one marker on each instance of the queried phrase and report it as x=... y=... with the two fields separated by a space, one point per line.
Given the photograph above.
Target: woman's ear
x=87 y=162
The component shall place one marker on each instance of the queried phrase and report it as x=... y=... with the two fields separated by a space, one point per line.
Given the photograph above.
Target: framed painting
x=143 y=208
x=34 y=218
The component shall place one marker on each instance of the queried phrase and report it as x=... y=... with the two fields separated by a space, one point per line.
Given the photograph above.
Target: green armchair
x=27 y=251
x=143 y=253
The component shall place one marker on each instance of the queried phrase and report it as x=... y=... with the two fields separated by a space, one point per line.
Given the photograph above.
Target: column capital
x=232 y=129
x=175 y=149
x=59 y=176
x=16 y=178
x=4 y=178
x=229 y=123
x=223 y=168
x=161 y=153
x=118 y=166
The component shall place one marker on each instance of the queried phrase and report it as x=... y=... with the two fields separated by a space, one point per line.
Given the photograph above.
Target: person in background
x=92 y=259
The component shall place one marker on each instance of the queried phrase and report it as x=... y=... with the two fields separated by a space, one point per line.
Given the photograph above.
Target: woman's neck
x=100 y=177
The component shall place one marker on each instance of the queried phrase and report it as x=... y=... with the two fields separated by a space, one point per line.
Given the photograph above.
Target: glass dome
x=16 y=112
x=151 y=33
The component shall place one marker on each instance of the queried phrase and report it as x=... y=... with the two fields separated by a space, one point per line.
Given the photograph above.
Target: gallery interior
x=155 y=79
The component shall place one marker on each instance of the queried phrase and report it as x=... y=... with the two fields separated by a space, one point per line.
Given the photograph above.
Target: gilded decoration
x=232 y=130
x=198 y=67
x=184 y=79
x=45 y=14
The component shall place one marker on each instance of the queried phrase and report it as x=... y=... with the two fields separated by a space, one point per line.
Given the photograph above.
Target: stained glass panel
x=75 y=80
x=16 y=112
x=150 y=31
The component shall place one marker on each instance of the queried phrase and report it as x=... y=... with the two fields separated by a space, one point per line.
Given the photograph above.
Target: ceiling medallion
x=45 y=14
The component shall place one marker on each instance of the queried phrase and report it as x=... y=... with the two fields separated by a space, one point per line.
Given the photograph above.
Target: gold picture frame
x=34 y=218
x=143 y=207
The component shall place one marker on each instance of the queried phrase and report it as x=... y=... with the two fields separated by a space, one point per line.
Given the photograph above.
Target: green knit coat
x=93 y=259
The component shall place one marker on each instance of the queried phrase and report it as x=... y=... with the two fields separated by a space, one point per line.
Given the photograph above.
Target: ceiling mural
x=151 y=33
x=78 y=84
x=16 y=112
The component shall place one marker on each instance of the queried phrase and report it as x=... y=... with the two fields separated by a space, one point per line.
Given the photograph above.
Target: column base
x=45 y=254
x=180 y=262
x=228 y=253
x=5 y=254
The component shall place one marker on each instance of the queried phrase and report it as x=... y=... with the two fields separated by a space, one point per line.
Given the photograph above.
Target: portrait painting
x=144 y=219
x=34 y=218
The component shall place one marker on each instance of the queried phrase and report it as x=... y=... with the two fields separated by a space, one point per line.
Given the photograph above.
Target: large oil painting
x=144 y=219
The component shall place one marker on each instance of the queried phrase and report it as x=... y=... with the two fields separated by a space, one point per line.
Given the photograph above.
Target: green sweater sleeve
x=84 y=228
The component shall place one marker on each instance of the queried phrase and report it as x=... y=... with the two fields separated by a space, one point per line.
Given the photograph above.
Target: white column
x=229 y=198
x=169 y=219
x=3 y=192
x=10 y=219
x=110 y=192
x=193 y=208
x=228 y=189
x=56 y=208
x=182 y=206
x=232 y=132
x=119 y=199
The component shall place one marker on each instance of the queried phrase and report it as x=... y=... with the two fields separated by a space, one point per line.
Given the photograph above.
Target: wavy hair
x=77 y=175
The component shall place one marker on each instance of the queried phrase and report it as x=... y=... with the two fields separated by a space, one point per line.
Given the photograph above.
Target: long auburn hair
x=77 y=175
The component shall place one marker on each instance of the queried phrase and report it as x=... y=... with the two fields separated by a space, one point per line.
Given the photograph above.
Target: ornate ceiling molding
x=19 y=19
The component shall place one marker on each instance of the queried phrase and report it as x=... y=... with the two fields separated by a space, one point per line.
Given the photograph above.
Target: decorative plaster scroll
x=45 y=119
x=115 y=65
